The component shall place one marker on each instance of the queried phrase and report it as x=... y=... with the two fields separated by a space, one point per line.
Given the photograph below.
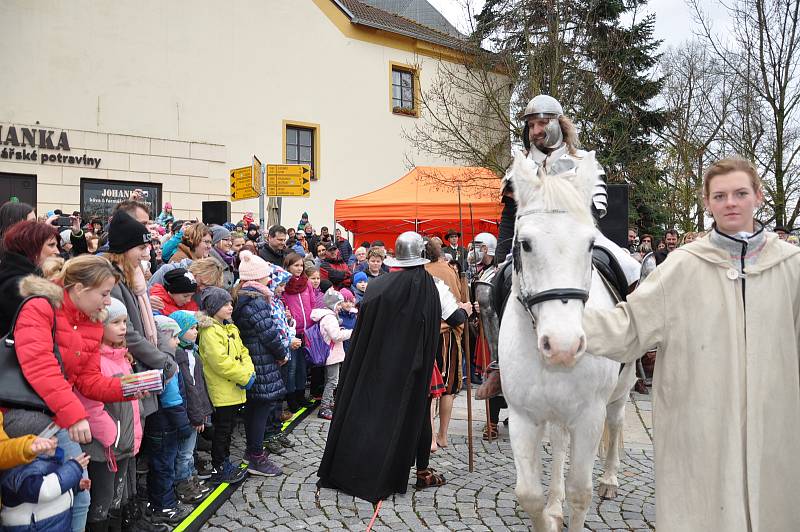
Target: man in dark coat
x=274 y=251
x=382 y=399
x=451 y=247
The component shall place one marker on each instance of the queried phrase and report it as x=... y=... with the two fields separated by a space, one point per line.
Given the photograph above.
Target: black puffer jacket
x=13 y=269
x=252 y=314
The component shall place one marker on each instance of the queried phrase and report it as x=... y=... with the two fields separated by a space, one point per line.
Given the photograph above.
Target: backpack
x=317 y=349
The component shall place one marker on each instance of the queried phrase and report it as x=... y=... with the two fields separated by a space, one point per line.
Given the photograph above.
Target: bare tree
x=597 y=59
x=466 y=113
x=762 y=52
x=698 y=94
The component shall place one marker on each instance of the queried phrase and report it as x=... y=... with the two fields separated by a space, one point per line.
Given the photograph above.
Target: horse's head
x=553 y=240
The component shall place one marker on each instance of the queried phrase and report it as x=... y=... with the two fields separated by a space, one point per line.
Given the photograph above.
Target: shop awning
x=425 y=200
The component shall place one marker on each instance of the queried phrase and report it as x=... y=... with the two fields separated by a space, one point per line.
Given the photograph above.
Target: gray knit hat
x=219 y=233
x=333 y=298
x=115 y=310
x=212 y=299
x=66 y=236
x=167 y=329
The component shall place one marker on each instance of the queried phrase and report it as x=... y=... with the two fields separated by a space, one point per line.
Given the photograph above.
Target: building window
x=301 y=145
x=404 y=90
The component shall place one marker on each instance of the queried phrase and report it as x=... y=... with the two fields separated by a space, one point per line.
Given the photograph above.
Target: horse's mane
x=559 y=193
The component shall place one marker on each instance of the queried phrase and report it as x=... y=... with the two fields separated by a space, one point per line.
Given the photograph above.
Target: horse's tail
x=605 y=441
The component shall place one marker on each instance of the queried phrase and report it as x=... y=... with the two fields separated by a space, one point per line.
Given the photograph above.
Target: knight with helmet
x=551 y=141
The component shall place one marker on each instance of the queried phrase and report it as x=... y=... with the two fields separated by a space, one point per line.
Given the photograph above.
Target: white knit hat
x=115 y=310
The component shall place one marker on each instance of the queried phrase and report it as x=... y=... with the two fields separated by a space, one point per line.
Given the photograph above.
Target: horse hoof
x=607 y=491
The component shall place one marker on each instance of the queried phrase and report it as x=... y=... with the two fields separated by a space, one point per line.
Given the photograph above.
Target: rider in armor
x=551 y=141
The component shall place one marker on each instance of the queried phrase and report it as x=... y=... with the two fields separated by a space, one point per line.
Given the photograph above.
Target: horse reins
x=554 y=294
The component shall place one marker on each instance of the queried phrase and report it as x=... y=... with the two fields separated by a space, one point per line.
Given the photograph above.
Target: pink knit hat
x=253 y=267
x=347 y=294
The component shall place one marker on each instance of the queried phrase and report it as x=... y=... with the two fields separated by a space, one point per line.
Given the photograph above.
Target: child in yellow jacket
x=229 y=373
x=22 y=450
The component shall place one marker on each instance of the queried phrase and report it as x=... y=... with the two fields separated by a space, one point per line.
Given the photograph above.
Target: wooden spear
x=464 y=298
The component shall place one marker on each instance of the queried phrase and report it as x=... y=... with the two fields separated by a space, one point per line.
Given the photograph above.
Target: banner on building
x=99 y=196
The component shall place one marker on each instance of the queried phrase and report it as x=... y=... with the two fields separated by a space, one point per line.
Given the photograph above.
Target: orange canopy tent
x=425 y=200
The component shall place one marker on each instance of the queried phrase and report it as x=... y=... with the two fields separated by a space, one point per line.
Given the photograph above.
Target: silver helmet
x=544 y=106
x=408 y=251
x=488 y=240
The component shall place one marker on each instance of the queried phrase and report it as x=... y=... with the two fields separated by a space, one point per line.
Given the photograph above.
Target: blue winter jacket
x=45 y=483
x=252 y=314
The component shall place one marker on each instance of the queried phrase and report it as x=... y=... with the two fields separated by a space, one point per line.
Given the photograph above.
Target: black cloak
x=382 y=397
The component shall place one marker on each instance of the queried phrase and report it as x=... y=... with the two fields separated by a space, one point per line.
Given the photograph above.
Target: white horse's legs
x=526 y=438
x=559 y=439
x=615 y=417
x=585 y=437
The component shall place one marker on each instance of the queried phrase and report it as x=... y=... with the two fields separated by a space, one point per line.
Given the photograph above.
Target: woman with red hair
x=27 y=244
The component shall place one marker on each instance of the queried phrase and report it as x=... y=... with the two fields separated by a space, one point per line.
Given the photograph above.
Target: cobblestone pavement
x=482 y=500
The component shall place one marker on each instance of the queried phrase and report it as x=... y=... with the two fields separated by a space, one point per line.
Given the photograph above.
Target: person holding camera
x=72 y=240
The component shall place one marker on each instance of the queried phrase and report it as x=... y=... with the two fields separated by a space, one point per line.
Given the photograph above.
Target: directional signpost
x=242 y=184
x=289 y=180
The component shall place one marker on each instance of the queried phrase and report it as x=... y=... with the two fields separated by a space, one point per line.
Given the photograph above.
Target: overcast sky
x=674 y=21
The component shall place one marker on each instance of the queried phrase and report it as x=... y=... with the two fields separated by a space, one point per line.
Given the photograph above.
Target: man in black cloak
x=382 y=407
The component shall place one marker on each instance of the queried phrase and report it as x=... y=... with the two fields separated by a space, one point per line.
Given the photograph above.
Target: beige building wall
x=179 y=92
x=190 y=172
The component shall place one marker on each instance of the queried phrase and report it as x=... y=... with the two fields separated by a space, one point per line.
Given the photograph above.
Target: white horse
x=548 y=379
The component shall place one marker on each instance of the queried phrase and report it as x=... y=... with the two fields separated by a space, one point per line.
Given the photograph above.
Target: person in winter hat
x=116 y=428
x=253 y=233
x=176 y=291
x=299 y=298
x=348 y=313
x=66 y=241
x=335 y=335
x=198 y=406
x=360 y=282
x=262 y=336
x=125 y=233
x=229 y=373
x=165 y=217
x=166 y=431
x=301 y=225
x=221 y=251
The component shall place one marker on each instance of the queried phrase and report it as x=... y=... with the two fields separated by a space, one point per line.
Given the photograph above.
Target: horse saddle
x=603 y=260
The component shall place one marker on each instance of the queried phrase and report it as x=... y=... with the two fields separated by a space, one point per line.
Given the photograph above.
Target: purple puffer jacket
x=301 y=305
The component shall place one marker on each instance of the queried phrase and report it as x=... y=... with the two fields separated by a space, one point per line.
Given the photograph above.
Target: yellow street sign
x=289 y=180
x=242 y=184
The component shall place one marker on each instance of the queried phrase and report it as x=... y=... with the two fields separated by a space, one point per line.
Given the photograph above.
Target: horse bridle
x=554 y=294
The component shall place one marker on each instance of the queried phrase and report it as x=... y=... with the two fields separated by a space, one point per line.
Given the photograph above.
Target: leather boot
x=492 y=386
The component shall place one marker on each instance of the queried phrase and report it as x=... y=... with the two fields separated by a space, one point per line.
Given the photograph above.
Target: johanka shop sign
x=38 y=145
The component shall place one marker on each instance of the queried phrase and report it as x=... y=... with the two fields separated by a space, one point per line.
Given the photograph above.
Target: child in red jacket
x=176 y=292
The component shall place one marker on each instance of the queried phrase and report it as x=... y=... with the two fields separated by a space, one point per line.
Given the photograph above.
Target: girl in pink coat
x=332 y=332
x=116 y=427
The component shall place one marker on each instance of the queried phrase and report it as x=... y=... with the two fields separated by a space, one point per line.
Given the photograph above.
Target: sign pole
x=261 y=198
